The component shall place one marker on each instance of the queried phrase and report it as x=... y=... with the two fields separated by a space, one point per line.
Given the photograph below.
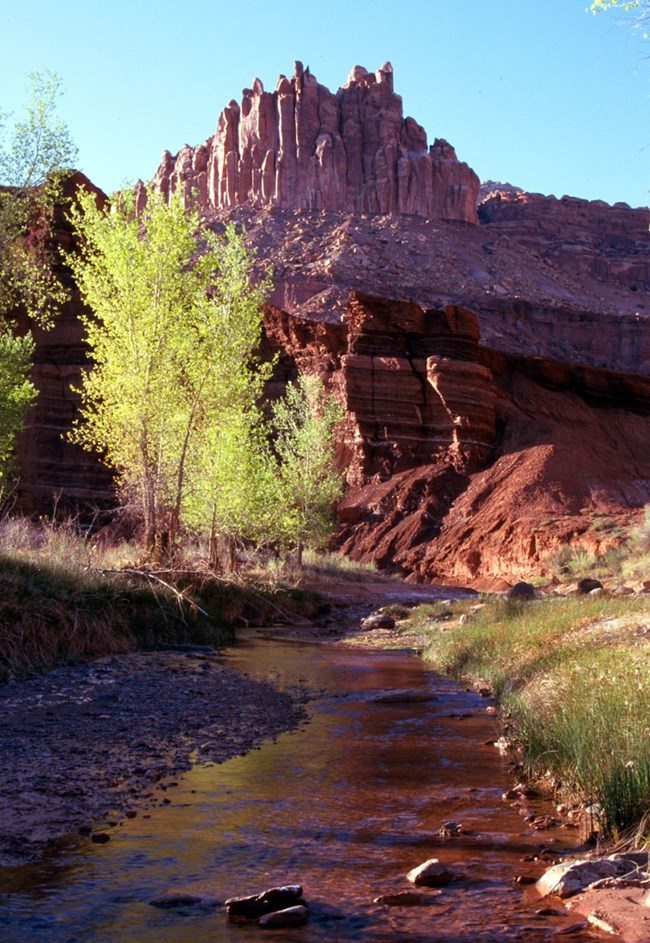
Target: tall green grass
x=573 y=676
x=586 y=722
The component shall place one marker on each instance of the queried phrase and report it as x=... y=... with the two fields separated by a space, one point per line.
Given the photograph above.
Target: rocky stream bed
x=89 y=746
x=86 y=745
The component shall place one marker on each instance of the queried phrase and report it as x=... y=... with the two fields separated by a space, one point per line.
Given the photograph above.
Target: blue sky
x=538 y=93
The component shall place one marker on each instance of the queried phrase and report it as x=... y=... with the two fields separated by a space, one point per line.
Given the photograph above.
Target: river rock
x=521 y=592
x=100 y=838
x=571 y=877
x=432 y=873
x=402 y=899
x=289 y=917
x=242 y=909
x=378 y=620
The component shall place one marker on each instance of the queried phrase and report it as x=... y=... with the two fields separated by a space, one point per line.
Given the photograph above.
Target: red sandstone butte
x=302 y=147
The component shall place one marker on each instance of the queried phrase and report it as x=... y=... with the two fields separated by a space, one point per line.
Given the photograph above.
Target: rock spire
x=303 y=147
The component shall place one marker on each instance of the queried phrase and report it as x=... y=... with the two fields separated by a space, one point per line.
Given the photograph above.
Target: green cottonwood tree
x=172 y=340
x=33 y=159
x=307 y=482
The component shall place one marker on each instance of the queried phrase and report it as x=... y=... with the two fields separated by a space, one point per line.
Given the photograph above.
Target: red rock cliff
x=303 y=147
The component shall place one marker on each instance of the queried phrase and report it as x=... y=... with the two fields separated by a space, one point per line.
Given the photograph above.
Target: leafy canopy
x=34 y=153
x=170 y=400
x=308 y=485
x=34 y=156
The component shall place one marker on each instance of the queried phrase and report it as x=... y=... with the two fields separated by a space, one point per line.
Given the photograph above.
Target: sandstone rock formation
x=53 y=470
x=494 y=366
x=302 y=147
x=465 y=462
x=580 y=237
x=525 y=303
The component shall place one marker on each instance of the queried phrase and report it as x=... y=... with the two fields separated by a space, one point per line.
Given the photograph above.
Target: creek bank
x=90 y=744
x=613 y=901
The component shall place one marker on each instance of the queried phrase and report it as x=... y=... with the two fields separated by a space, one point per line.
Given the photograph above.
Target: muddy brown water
x=345 y=806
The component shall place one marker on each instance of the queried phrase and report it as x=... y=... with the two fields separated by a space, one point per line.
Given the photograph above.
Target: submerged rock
x=405 y=696
x=169 y=901
x=403 y=899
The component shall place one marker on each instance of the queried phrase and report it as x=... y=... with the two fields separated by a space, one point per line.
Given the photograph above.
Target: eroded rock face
x=581 y=237
x=304 y=147
x=413 y=389
x=54 y=471
x=465 y=462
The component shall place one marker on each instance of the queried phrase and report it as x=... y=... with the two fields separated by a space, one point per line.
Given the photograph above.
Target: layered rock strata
x=55 y=473
x=413 y=389
x=580 y=237
x=304 y=147
x=465 y=462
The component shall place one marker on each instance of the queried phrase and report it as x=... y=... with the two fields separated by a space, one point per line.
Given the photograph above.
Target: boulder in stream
x=431 y=873
x=244 y=909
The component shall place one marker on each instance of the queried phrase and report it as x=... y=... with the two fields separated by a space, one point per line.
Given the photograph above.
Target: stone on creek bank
x=432 y=873
x=378 y=620
x=571 y=877
x=247 y=909
x=587 y=585
x=522 y=592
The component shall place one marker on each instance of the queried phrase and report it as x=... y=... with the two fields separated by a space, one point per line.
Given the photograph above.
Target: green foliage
x=599 y=5
x=17 y=393
x=32 y=158
x=171 y=398
x=586 y=722
x=33 y=161
x=639 y=8
x=307 y=483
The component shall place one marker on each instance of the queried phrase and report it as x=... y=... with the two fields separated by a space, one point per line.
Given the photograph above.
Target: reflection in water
x=344 y=806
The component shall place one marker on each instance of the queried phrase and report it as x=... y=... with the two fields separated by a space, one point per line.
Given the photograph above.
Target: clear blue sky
x=538 y=93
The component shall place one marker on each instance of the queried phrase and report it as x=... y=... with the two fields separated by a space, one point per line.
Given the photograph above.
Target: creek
x=345 y=806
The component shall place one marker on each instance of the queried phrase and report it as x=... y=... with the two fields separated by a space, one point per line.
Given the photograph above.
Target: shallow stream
x=345 y=806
